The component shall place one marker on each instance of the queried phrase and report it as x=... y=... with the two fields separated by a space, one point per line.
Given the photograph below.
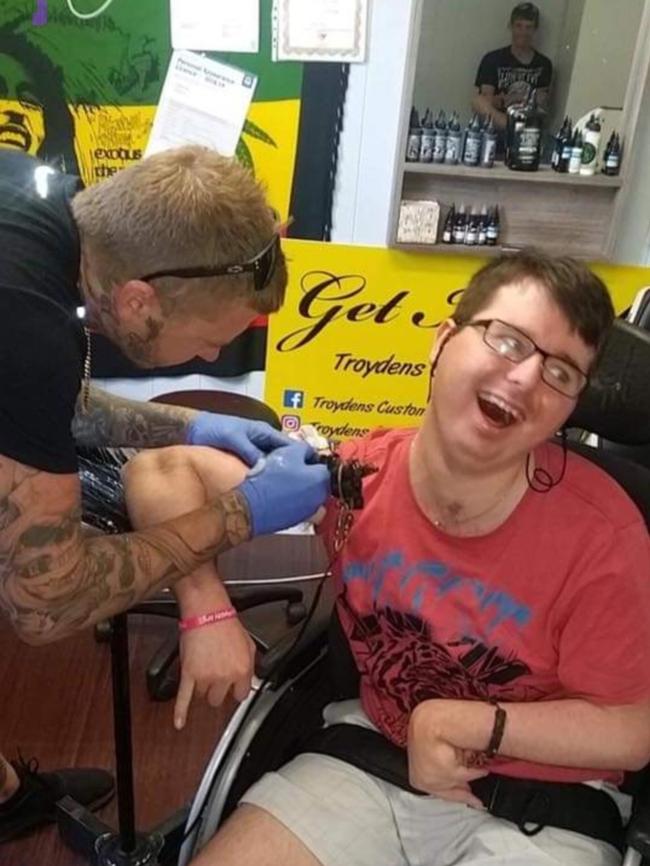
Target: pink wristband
x=206 y=618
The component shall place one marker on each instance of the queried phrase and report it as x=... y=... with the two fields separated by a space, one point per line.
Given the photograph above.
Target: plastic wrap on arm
x=102 y=494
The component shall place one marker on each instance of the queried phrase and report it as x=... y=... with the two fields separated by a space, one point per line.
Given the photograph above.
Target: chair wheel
x=163 y=688
x=296 y=612
x=103 y=631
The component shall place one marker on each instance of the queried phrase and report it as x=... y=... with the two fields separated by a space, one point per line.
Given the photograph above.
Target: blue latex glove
x=285 y=488
x=248 y=439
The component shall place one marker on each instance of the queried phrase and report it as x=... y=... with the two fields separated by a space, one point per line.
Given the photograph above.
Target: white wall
x=603 y=54
x=454 y=36
x=564 y=62
x=633 y=241
x=371 y=146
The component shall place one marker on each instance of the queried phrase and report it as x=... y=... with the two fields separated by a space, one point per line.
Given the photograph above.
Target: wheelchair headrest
x=642 y=317
x=616 y=404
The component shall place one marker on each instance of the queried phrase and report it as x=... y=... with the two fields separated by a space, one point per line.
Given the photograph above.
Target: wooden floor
x=57 y=706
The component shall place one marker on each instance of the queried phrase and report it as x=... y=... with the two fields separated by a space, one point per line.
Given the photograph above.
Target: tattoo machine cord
x=346 y=484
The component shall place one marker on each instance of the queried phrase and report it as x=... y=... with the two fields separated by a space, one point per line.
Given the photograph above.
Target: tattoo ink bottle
x=493 y=227
x=612 y=161
x=413 y=141
x=448 y=230
x=440 y=138
x=488 y=145
x=454 y=141
x=524 y=136
x=576 y=153
x=471 y=235
x=482 y=226
x=427 y=138
x=473 y=138
x=460 y=225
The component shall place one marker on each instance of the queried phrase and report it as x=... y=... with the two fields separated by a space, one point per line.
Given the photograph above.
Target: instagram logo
x=39 y=18
x=290 y=423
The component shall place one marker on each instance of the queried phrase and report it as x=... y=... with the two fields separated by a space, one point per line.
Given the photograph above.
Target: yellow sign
x=349 y=350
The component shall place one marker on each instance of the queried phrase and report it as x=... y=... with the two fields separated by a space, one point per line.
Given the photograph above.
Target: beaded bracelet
x=192 y=622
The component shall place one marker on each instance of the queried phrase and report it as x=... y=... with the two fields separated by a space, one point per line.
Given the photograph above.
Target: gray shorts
x=346 y=817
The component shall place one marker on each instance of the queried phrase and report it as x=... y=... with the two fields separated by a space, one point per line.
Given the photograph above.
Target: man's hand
x=288 y=488
x=436 y=767
x=249 y=440
x=215 y=660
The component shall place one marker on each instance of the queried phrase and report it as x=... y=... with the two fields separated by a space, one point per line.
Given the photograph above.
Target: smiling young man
x=495 y=594
x=170 y=259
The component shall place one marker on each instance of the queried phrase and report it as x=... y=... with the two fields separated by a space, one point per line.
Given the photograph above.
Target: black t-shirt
x=510 y=77
x=42 y=345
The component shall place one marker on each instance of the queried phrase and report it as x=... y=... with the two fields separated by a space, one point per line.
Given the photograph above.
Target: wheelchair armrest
x=247 y=597
x=294 y=650
x=638 y=829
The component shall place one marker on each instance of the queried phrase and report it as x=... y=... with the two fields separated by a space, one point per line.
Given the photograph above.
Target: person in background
x=507 y=76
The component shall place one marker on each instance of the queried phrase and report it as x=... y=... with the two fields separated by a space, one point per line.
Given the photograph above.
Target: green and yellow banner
x=82 y=93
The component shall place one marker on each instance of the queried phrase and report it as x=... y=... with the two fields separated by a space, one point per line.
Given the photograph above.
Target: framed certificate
x=322 y=30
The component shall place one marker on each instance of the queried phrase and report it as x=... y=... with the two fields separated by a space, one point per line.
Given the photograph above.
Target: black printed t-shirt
x=511 y=78
x=42 y=345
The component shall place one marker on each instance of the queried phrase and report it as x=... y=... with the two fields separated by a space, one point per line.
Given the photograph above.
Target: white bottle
x=590 y=145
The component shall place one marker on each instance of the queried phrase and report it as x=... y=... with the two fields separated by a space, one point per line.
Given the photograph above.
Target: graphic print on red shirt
x=552 y=604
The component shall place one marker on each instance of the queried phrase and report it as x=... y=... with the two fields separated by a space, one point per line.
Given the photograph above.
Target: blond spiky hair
x=187 y=207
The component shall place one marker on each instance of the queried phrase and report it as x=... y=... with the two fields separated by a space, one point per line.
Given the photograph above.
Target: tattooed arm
x=118 y=422
x=54 y=580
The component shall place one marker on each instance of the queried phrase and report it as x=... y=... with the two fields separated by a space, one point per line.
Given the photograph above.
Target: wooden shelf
x=483 y=251
x=545 y=174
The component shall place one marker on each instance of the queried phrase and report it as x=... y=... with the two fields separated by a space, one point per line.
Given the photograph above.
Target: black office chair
x=298 y=677
x=639 y=316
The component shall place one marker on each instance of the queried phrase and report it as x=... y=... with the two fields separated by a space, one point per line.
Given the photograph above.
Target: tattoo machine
x=346 y=476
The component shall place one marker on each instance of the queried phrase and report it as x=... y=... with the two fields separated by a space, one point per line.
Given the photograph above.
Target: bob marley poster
x=80 y=92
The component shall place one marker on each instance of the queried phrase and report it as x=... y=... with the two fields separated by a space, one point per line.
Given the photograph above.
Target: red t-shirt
x=554 y=603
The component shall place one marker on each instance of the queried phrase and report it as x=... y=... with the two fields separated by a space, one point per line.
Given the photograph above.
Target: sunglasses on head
x=260 y=266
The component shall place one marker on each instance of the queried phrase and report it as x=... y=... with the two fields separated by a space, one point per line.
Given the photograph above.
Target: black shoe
x=34 y=803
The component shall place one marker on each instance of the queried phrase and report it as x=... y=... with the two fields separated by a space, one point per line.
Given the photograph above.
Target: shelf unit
x=560 y=213
x=483 y=251
x=499 y=172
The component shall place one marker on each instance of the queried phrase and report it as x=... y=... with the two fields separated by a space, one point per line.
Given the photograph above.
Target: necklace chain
x=85 y=386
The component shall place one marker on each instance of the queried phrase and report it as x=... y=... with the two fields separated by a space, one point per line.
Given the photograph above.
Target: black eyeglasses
x=515 y=346
x=261 y=267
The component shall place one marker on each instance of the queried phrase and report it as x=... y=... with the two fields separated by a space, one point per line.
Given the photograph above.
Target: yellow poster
x=349 y=350
x=109 y=138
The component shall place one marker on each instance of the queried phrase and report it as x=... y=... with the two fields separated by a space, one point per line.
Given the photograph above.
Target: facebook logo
x=293 y=399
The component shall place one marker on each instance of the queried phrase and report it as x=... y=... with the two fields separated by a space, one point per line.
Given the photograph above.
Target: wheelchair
x=309 y=666
x=298 y=678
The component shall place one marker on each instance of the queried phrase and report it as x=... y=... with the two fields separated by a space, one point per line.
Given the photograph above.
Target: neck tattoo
x=452 y=516
x=456 y=517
